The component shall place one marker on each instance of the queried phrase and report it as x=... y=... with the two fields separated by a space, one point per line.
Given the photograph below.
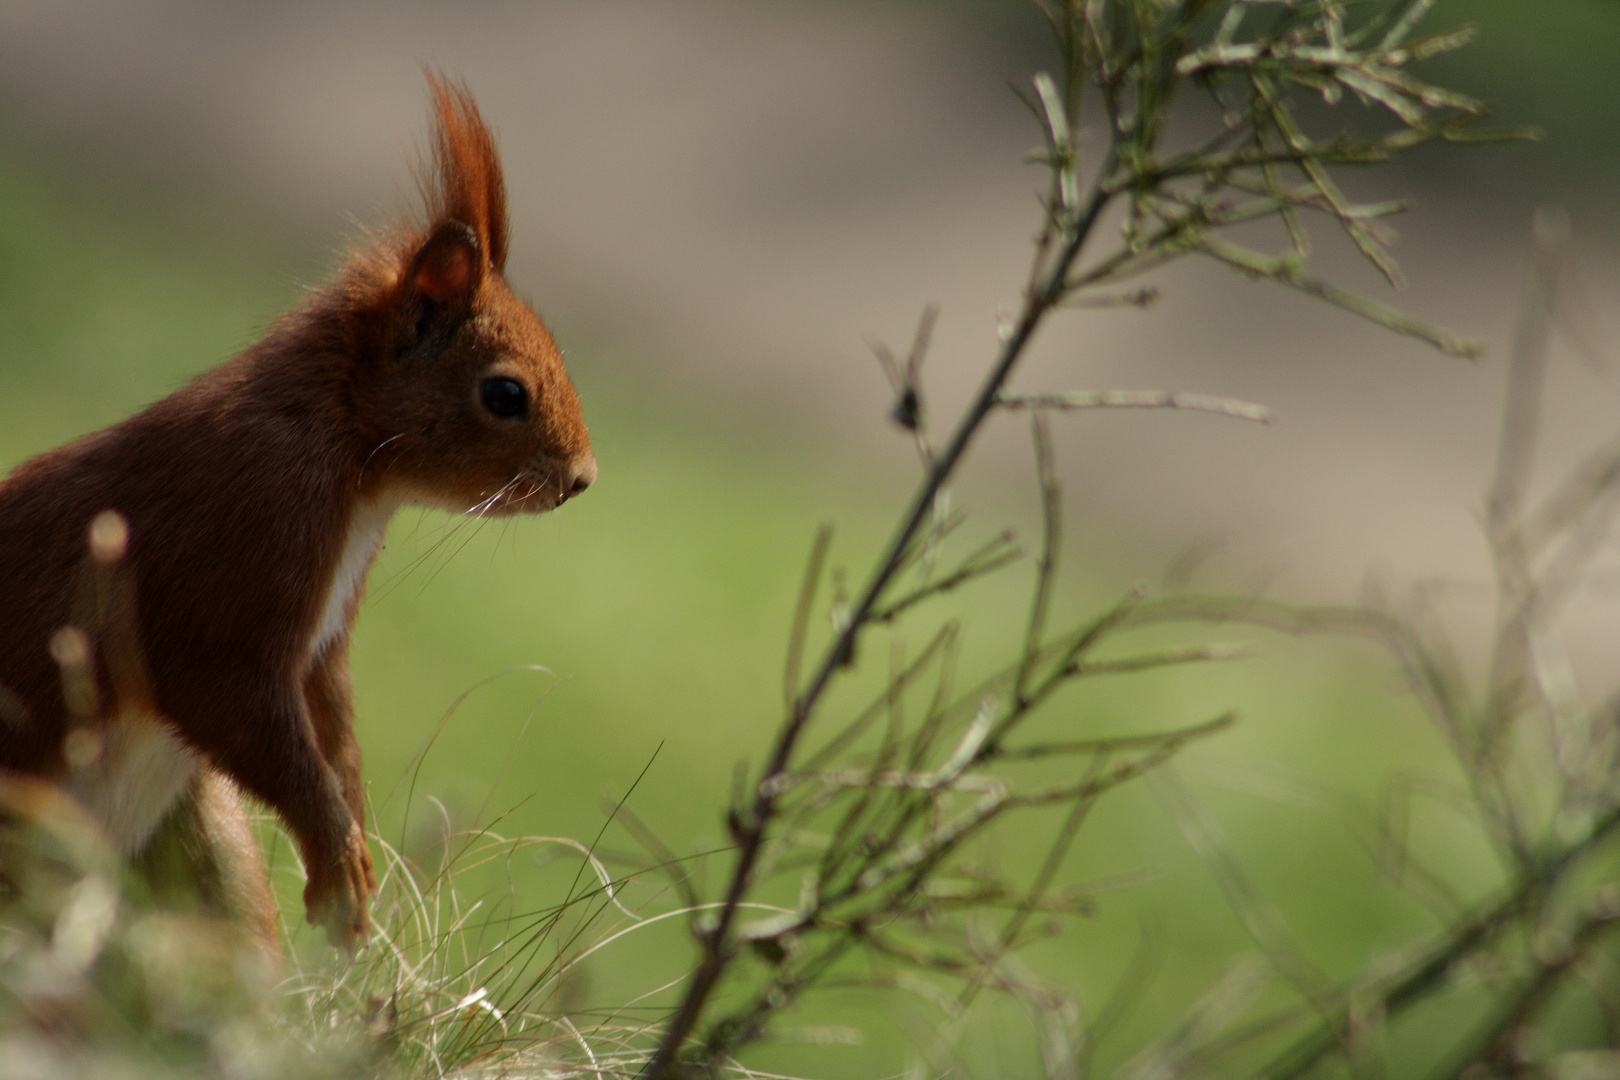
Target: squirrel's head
x=465 y=390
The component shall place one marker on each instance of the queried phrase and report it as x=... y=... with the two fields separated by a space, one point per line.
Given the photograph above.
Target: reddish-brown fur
x=239 y=491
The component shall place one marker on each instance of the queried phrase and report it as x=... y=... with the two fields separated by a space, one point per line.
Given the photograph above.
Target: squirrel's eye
x=505 y=398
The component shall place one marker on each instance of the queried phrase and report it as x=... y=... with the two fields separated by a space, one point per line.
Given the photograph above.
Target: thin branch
x=1285 y=272
x=1137 y=399
x=1260 y=918
x=1118 y=743
x=801 y=612
x=996 y=553
x=1046 y=567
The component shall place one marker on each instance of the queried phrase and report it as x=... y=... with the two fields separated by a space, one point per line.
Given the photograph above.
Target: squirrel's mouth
x=527 y=493
x=544 y=484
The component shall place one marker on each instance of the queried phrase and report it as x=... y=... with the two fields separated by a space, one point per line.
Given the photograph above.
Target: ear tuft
x=466 y=184
x=449 y=265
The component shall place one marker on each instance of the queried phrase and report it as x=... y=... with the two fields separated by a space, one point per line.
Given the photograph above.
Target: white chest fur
x=360 y=546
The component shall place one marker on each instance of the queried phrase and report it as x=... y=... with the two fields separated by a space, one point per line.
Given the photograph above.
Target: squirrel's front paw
x=337 y=895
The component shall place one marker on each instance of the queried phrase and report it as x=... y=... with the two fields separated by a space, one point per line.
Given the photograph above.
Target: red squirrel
x=248 y=508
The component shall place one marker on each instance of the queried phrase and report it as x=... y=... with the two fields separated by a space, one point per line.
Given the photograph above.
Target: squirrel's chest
x=360 y=545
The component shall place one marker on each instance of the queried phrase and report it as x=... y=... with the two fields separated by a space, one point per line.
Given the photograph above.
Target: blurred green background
x=659 y=602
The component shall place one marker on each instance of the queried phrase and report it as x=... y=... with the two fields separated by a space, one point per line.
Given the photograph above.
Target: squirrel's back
x=236 y=494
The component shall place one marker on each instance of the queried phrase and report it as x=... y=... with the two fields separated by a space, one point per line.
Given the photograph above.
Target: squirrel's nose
x=584 y=474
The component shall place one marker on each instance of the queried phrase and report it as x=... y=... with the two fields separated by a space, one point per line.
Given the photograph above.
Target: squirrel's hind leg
x=204 y=858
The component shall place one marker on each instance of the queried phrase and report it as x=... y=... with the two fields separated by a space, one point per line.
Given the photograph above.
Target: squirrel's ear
x=449 y=266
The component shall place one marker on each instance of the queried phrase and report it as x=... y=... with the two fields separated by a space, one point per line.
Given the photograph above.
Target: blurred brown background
x=742 y=193
x=739 y=195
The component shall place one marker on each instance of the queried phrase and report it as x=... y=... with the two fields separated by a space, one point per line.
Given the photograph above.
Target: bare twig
x=1137 y=399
